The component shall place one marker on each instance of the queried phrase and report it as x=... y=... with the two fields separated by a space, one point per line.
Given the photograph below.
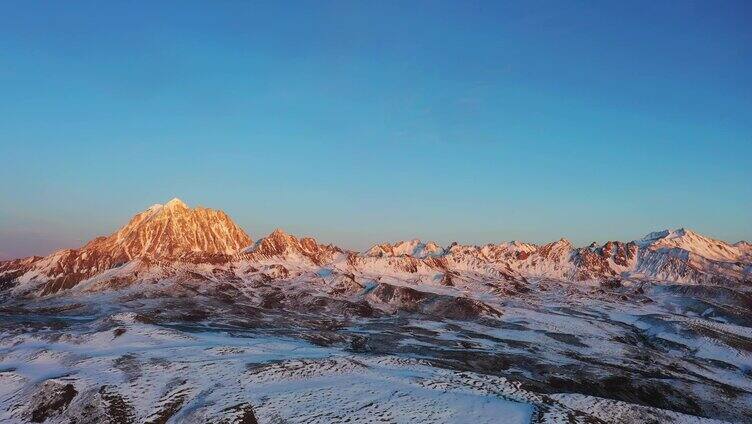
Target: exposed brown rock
x=163 y=233
x=279 y=244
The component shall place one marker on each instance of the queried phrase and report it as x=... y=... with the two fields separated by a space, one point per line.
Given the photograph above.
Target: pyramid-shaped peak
x=655 y=235
x=414 y=247
x=173 y=229
x=690 y=241
x=278 y=233
x=667 y=234
x=175 y=203
x=276 y=242
x=558 y=248
x=681 y=232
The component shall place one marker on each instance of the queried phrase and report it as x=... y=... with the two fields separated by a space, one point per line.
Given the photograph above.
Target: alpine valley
x=179 y=316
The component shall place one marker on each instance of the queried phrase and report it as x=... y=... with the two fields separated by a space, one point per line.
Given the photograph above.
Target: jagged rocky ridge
x=157 y=239
x=180 y=317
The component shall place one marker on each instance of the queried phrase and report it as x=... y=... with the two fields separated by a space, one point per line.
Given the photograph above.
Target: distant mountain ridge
x=154 y=241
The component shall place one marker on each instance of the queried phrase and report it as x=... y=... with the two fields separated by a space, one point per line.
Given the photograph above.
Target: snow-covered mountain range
x=173 y=239
x=180 y=317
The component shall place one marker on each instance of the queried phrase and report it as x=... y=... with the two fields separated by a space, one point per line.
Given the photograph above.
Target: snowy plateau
x=180 y=317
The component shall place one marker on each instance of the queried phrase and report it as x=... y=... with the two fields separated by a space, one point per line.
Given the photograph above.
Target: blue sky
x=360 y=122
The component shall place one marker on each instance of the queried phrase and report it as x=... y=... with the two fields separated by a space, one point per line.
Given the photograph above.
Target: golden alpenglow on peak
x=176 y=203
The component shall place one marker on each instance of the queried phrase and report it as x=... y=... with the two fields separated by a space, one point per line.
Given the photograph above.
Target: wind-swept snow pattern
x=125 y=367
x=179 y=317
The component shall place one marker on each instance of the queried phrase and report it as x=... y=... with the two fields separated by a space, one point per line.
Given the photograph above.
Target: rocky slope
x=169 y=232
x=174 y=230
x=165 y=240
x=180 y=317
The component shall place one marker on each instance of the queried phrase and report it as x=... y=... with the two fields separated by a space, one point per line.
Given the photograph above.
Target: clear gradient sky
x=361 y=122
